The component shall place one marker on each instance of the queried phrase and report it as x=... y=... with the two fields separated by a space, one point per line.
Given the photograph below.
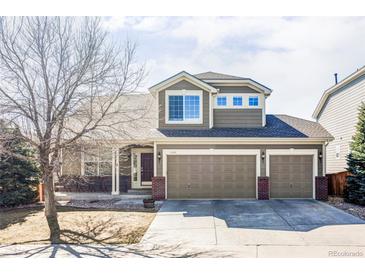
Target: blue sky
x=295 y=56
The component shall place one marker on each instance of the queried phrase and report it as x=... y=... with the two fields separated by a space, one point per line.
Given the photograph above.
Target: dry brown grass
x=79 y=226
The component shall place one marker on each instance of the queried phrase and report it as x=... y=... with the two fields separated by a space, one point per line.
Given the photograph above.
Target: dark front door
x=146 y=167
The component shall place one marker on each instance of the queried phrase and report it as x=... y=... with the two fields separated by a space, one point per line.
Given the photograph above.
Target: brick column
x=321 y=184
x=158 y=188
x=263 y=188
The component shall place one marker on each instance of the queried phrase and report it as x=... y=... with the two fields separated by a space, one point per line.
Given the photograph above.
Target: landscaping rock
x=356 y=210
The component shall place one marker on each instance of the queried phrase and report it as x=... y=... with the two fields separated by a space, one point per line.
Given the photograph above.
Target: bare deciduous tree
x=56 y=70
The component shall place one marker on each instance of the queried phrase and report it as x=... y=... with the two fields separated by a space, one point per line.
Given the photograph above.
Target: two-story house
x=337 y=111
x=209 y=137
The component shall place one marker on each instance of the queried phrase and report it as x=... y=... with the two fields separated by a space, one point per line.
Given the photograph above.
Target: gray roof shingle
x=210 y=75
x=277 y=126
x=139 y=121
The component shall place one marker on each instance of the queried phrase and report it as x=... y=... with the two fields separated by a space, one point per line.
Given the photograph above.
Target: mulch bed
x=356 y=210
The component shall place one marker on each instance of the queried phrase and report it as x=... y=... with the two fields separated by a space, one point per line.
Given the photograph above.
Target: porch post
x=117 y=171
x=115 y=187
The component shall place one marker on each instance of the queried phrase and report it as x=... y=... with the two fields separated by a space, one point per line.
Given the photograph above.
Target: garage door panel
x=211 y=176
x=291 y=176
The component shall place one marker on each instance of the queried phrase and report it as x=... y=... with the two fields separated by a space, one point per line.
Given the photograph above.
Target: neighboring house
x=337 y=111
x=208 y=136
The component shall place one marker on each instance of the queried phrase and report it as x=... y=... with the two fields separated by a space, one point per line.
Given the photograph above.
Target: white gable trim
x=179 y=77
x=247 y=82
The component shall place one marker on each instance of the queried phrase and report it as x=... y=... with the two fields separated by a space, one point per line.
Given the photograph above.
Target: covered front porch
x=100 y=172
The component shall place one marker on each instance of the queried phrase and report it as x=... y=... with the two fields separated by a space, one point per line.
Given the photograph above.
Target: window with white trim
x=184 y=106
x=98 y=162
x=221 y=101
x=253 y=101
x=237 y=101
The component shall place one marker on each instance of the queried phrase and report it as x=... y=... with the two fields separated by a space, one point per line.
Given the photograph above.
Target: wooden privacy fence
x=337 y=183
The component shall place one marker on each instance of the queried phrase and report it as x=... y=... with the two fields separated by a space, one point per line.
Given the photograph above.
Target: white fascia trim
x=247 y=82
x=184 y=92
x=237 y=140
x=333 y=89
x=292 y=151
x=179 y=77
x=166 y=152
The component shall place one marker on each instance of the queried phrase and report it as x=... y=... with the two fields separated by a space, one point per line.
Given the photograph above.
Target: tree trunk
x=50 y=205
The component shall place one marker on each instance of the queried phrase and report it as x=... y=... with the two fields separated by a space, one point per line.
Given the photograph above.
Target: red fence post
x=41 y=192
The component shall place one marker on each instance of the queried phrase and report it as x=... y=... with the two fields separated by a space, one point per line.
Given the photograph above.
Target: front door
x=146 y=168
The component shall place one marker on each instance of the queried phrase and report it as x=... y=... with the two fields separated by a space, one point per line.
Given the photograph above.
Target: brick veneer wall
x=263 y=191
x=321 y=183
x=158 y=187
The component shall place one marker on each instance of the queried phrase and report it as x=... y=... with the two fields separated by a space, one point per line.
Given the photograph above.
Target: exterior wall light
x=159 y=156
x=263 y=155
x=320 y=155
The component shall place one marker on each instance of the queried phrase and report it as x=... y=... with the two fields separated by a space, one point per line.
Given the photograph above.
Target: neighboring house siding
x=262 y=148
x=187 y=86
x=237 y=118
x=339 y=116
x=235 y=89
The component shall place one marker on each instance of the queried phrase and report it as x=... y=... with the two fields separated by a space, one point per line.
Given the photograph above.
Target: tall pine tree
x=355 y=192
x=19 y=173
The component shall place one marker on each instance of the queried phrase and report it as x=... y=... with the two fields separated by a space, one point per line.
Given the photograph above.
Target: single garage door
x=291 y=176
x=211 y=176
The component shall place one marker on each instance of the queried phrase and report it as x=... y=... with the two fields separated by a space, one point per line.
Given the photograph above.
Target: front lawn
x=79 y=226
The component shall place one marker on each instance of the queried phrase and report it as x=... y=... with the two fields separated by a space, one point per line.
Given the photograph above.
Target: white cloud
x=114 y=23
x=295 y=56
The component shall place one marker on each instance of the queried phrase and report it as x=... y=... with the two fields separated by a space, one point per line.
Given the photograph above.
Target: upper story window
x=253 y=101
x=221 y=101
x=184 y=106
x=237 y=101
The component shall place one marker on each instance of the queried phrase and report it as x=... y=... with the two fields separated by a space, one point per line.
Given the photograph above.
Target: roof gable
x=183 y=75
x=206 y=80
x=210 y=75
x=349 y=79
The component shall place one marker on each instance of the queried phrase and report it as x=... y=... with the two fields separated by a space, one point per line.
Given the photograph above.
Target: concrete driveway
x=257 y=226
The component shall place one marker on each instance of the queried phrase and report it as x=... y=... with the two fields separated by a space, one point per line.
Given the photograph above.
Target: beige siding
x=229 y=89
x=262 y=148
x=187 y=86
x=237 y=118
x=71 y=161
x=339 y=116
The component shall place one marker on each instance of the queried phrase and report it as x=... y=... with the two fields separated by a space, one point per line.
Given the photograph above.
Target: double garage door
x=235 y=176
x=211 y=176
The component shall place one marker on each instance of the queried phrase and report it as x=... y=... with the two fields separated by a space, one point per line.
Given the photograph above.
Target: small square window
x=222 y=101
x=253 y=101
x=237 y=101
